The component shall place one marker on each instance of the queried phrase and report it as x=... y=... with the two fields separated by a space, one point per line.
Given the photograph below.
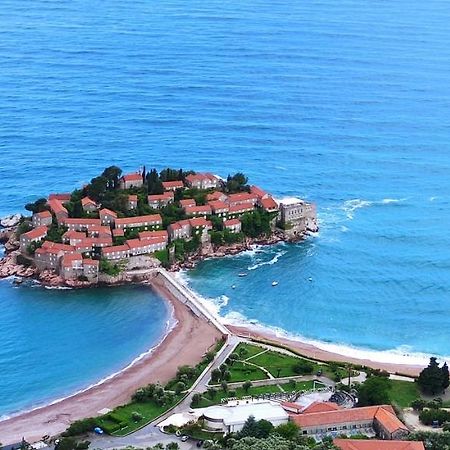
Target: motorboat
x=274 y=283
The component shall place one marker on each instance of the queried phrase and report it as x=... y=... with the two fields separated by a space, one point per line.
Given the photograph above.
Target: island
x=119 y=227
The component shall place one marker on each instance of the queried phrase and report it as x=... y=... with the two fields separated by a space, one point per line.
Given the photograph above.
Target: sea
x=345 y=103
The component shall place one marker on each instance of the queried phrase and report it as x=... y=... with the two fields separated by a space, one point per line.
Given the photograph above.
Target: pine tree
x=445 y=377
x=431 y=379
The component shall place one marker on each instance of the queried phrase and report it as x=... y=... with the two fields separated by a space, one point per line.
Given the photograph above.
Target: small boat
x=242 y=274
x=310 y=279
x=233 y=287
x=274 y=283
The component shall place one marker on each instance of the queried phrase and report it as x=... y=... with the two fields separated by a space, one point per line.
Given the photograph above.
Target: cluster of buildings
x=102 y=232
x=317 y=420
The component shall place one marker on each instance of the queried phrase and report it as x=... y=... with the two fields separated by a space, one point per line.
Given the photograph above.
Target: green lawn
x=278 y=364
x=403 y=392
x=248 y=350
x=123 y=414
x=243 y=372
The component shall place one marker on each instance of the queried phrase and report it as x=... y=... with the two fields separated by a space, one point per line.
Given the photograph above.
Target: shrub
x=303 y=367
x=80 y=427
x=429 y=416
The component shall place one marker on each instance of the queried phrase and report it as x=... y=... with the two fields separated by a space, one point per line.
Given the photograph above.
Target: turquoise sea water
x=343 y=102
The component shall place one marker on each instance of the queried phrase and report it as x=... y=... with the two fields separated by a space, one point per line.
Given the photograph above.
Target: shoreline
x=158 y=364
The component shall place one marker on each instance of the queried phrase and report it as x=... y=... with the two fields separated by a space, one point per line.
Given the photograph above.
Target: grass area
x=278 y=364
x=247 y=350
x=122 y=416
x=403 y=392
x=243 y=372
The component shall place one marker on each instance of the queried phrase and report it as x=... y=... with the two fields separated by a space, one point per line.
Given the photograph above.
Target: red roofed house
x=237 y=210
x=132 y=202
x=320 y=407
x=58 y=210
x=71 y=266
x=361 y=444
x=187 y=202
x=154 y=235
x=268 y=204
x=202 y=181
x=100 y=232
x=152 y=221
x=203 y=210
x=381 y=419
x=35 y=235
x=42 y=219
x=131 y=180
x=233 y=225
x=138 y=247
x=90 y=269
x=107 y=217
x=78 y=224
x=172 y=185
x=200 y=226
x=48 y=256
x=88 y=205
x=179 y=230
x=118 y=233
x=219 y=208
x=242 y=198
x=116 y=252
x=63 y=198
x=260 y=193
x=160 y=200
x=73 y=237
x=216 y=195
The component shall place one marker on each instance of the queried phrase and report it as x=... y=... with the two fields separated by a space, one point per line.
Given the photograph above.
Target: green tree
x=216 y=374
x=180 y=387
x=196 y=398
x=432 y=379
x=236 y=183
x=224 y=386
x=445 y=376
x=247 y=385
x=112 y=175
x=38 y=206
x=374 y=391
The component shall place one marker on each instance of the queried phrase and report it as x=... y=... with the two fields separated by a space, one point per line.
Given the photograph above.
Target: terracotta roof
x=91 y=262
x=172 y=184
x=260 y=193
x=160 y=197
x=231 y=222
x=216 y=195
x=180 y=224
x=55 y=247
x=136 y=243
x=107 y=212
x=37 y=233
x=269 y=203
x=65 y=197
x=44 y=214
x=241 y=197
x=201 y=177
x=139 y=219
x=100 y=229
x=366 y=413
x=199 y=222
x=187 y=202
x=72 y=234
x=116 y=248
x=241 y=208
x=118 y=232
x=69 y=259
x=132 y=198
x=153 y=234
x=87 y=201
x=204 y=209
x=81 y=221
x=56 y=206
x=316 y=407
x=217 y=204
x=132 y=177
x=357 y=444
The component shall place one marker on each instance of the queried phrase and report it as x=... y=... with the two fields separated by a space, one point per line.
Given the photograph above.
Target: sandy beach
x=188 y=340
x=311 y=351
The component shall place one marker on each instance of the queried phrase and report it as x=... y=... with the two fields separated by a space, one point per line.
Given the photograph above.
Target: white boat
x=233 y=287
x=274 y=283
x=242 y=274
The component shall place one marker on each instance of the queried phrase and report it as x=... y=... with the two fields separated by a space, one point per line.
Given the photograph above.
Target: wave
x=59 y=288
x=171 y=323
x=274 y=260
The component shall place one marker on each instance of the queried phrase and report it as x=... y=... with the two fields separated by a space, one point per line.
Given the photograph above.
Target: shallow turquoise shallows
x=55 y=342
x=346 y=102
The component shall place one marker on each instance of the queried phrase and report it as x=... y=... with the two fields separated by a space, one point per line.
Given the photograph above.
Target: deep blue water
x=342 y=102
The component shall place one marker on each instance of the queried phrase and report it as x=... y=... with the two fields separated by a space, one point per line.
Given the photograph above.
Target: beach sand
x=313 y=352
x=186 y=343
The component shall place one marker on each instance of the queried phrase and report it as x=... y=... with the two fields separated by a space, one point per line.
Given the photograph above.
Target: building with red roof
x=216 y=196
x=179 y=230
x=58 y=210
x=132 y=202
x=73 y=237
x=146 y=246
x=172 y=185
x=151 y=221
x=237 y=210
x=187 y=202
x=131 y=180
x=89 y=205
x=160 y=200
x=71 y=266
x=201 y=210
x=116 y=252
x=49 y=255
x=258 y=192
x=35 y=235
x=233 y=225
x=219 y=208
x=63 y=198
x=42 y=219
x=203 y=181
x=268 y=204
x=242 y=198
x=379 y=419
x=373 y=444
x=107 y=217
x=154 y=235
x=81 y=224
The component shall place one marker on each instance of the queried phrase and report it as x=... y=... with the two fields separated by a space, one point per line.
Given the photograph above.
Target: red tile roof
x=200 y=177
x=260 y=193
x=72 y=234
x=242 y=197
x=231 y=222
x=357 y=444
x=44 y=214
x=187 y=202
x=269 y=203
x=199 y=222
x=132 y=177
x=118 y=232
x=69 y=259
x=204 y=209
x=217 y=204
x=153 y=234
x=172 y=184
x=216 y=195
x=81 y=221
x=160 y=197
x=241 y=208
x=139 y=219
x=132 y=198
x=87 y=201
x=56 y=206
x=62 y=197
x=386 y=417
x=91 y=262
x=37 y=233
x=107 y=212
x=316 y=407
x=116 y=248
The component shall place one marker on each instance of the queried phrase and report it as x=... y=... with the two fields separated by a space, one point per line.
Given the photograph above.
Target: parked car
x=199 y=443
x=184 y=438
